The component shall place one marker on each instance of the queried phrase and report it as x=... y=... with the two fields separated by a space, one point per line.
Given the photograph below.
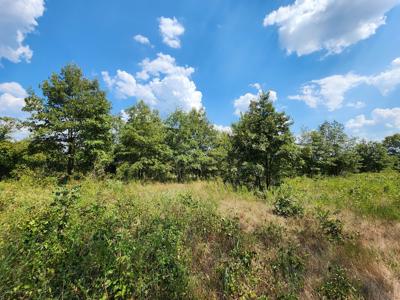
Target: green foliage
x=331 y=227
x=192 y=139
x=374 y=195
x=392 y=145
x=328 y=151
x=58 y=257
x=285 y=205
x=71 y=124
x=119 y=240
x=142 y=152
x=374 y=156
x=337 y=285
x=235 y=270
x=263 y=147
x=77 y=248
x=289 y=267
x=13 y=157
x=7 y=126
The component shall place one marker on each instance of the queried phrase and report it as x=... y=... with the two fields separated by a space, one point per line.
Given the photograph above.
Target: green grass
x=375 y=195
x=204 y=240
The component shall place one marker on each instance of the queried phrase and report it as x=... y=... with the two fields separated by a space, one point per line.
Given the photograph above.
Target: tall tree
x=262 y=145
x=7 y=127
x=192 y=139
x=11 y=152
x=71 y=122
x=374 y=156
x=143 y=152
x=328 y=150
x=392 y=144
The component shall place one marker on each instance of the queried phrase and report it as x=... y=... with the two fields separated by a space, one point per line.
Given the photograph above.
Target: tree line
x=73 y=133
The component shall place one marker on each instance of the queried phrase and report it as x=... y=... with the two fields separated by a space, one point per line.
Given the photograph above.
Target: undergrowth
x=110 y=240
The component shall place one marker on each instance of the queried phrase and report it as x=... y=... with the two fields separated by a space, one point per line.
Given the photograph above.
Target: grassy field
x=326 y=238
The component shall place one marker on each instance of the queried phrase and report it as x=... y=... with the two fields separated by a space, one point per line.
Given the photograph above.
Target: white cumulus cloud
x=389 y=117
x=162 y=84
x=12 y=96
x=307 y=26
x=18 y=18
x=171 y=30
x=222 y=128
x=389 y=79
x=359 y=122
x=242 y=103
x=163 y=64
x=331 y=91
x=141 y=39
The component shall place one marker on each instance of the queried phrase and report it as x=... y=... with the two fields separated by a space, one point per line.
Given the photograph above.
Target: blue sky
x=323 y=59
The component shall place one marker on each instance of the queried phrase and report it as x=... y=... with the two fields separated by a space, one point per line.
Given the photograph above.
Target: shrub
x=286 y=206
x=288 y=268
x=76 y=251
x=331 y=227
x=336 y=286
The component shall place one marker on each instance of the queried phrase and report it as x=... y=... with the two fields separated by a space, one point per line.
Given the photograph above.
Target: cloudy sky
x=322 y=59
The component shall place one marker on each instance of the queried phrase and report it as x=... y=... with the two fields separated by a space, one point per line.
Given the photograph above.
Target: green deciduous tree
x=10 y=152
x=143 y=152
x=7 y=126
x=374 y=156
x=392 y=144
x=263 y=147
x=192 y=140
x=328 y=150
x=71 y=122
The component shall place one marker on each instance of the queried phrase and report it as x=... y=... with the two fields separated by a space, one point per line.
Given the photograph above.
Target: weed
x=288 y=268
x=337 y=285
x=331 y=227
x=287 y=207
x=236 y=271
x=270 y=234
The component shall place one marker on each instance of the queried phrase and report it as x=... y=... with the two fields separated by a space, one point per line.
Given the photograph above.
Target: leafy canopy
x=71 y=122
x=262 y=145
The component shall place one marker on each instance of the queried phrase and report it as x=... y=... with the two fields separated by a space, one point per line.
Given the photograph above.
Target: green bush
x=74 y=250
x=337 y=285
x=286 y=206
x=288 y=268
x=331 y=227
x=236 y=271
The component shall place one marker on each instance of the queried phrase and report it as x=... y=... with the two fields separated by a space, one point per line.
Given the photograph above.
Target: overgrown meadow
x=321 y=238
x=96 y=206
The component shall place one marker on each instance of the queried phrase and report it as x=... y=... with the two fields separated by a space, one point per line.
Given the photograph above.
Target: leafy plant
x=286 y=206
x=331 y=227
x=337 y=285
x=288 y=268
